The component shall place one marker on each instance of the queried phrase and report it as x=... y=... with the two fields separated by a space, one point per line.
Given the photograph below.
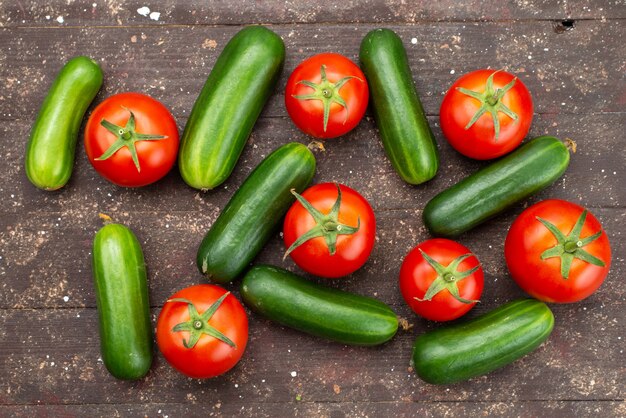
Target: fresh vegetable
x=489 y=191
x=229 y=104
x=557 y=251
x=254 y=212
x=50 y=151
x=404 y=130
x=119 y=273
x=493 y=340
x=325 y=312
x=330 y=230
x=202 y=331
x=441 y=279
x=486 y=114
x=326 y=95
x=131 y=139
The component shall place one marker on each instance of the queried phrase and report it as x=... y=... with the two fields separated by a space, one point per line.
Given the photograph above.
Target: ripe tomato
x=326 y=95
x=330 y=230
x=202 y=331
x=557 y=251
x=486 y=114
x=441 y=279
x=131 y=139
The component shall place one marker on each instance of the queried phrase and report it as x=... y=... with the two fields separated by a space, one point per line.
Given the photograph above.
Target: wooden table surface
x=571 y=55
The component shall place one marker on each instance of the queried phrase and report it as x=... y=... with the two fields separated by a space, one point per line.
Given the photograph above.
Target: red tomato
x=202 y=331
x=504 y=109
x=127 y=123
x=441 y=279
x=330 y=230
x=557 y=251
x=326 y=95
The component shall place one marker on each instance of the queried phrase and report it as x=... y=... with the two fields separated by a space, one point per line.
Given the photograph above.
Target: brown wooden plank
x=44 y=361
x=579 y=71
x=216 y=12
x=49 y=234
x=46 y=262
x=49 y=355
x=557 y=409
x=52 y=357
x=358 y=159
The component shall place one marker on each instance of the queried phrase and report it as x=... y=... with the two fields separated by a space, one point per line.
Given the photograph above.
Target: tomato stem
x=332 y=226
x=569 y=246
x=491 y=102
x=326 y=225
x=327 y=92
x=447 y=277
x=126 y=137
x=199 y=324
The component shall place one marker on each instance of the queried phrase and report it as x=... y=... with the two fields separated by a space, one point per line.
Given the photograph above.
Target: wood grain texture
x=329 y=409
x=49 y=348
x=172 y=63
x=50 y=234
x=55 y=361
x=221 y=12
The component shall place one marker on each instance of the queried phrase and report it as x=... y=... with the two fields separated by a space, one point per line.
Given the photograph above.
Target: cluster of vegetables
x=555 y=250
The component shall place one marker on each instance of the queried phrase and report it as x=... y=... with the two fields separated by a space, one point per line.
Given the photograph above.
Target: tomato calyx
x=447 y=277
x=126 y=137
x=199 y=324
x=491 y=101
x=570 y=246
x=327 y=92
x=327 y=225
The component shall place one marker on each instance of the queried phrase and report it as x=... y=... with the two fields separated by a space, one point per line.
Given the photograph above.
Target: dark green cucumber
x=255 y=210
x=50 y=151
x=482 y=195
x=229 y=104
x=121 y=286
x=477 y=347
x=404 y=130
x=322 y=311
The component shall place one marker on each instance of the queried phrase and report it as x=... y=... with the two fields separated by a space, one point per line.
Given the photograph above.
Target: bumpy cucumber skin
x=229 y=104
x=462 y=351
x=489 y=191
x=120 y=281
x=254 y=212
x=404 y=130
x=51 y=148
x=318 y=310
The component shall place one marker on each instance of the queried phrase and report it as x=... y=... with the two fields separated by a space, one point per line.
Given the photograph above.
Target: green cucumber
x=254 y=212
x=121 y=287
x=322 y=311
x=482 y=195
x=229 y=104
x=493 y=340
x=50 y=150
x=406 y=136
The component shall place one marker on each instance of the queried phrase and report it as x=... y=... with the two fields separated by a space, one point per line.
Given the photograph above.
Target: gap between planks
x=338 y=402
x=328 y=23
